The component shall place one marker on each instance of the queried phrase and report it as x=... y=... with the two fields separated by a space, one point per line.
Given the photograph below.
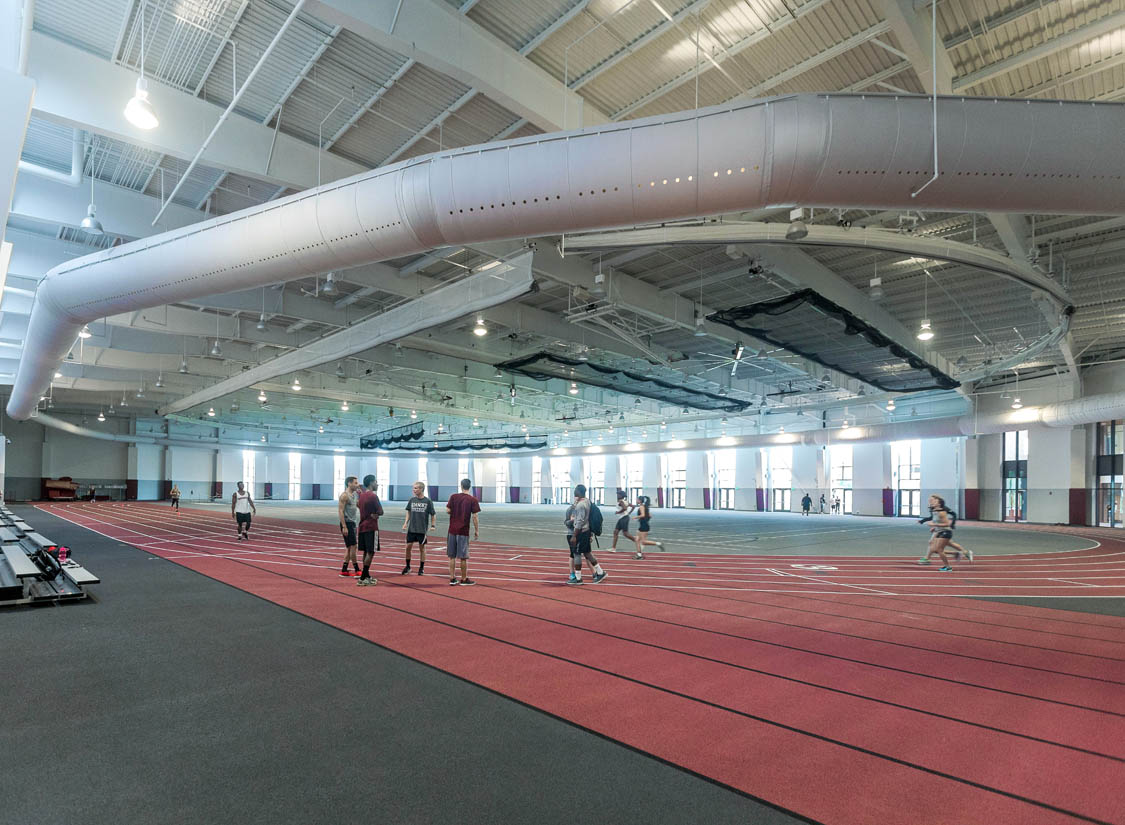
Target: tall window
x=423 y=471
x=840 y=476
x=597 y=479
x=677 y=479
x=1108 y=469
x=778 y=464
x=560 y=479
x=536 y=479
x=339 y=473
x=294 y=476
x=906 y=470
x=248 y=457
x=462 y=470
x=501 y=480
x=1014 y=471
x=724 y=461
x=383 y=475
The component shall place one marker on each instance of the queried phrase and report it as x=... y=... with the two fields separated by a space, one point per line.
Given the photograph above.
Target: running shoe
x=638 y=555
x=454 y=581
x=600 y=577
x=421 y=567
x=660 y=544
x=365 y=582
x=405 y=570
x=356 y=574
x=572 y=580
x=344 y=574
x=575 y=580
x=467 y=582
x=969 y=554
x=924 y=560
x=946 y=569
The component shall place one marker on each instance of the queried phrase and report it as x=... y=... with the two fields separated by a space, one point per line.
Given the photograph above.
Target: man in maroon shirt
x=370 y=509
x=461 y=507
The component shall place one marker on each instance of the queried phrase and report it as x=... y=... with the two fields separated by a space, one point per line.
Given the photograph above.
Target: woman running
x=961 y=551
x=175 y=497
x=624 y=508
x=643 y=517
x=941 y=533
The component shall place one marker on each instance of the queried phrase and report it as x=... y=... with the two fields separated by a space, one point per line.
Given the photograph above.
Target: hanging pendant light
x=330 y=286
x=138 y=110
x=480 y=329
x=183 y=365
x=262 y=396
x=101 y=416
x=573 y=388
x=216 y=350
x=925 y=331
x=345 y=406
x=296 y=387
x=261 y=325
x=90 y=223
x=84 y=332
x=124 y=400
x=211 y=412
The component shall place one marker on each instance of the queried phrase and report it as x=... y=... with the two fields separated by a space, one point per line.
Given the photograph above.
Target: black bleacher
x=29 y=568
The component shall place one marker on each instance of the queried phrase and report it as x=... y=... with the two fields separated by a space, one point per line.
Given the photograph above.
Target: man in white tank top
x=241 y=506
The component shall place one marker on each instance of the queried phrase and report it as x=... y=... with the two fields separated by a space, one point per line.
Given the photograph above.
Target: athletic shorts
x=457 y=547
x=242 y=518
x=622 y=524
x=369 y=541
x=416 y=538
x=943 y=534
x=349 y=539
x=642 y=525
x=581 y=544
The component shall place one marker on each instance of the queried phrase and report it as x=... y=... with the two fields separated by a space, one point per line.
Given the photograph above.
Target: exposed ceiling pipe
x=73 y=178
x=27 y=18
x=850 y=151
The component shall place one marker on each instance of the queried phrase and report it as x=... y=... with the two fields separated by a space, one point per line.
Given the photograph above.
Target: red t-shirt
x=461 y=508
x=369 y=511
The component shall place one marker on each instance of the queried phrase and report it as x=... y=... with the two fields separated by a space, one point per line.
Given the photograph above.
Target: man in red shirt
x=462 y=507
x=370 y=509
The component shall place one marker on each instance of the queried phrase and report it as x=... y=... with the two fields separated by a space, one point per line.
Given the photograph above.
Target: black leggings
x=176 y=503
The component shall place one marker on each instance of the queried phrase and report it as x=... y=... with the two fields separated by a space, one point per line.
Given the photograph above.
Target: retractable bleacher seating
x=30 y=571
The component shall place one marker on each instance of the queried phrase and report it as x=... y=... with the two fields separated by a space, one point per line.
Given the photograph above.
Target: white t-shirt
x=241 y=502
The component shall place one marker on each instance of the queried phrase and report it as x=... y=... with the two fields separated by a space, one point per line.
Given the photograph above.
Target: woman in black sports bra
x=942 y=532
x=643 y=517
x=624 y=508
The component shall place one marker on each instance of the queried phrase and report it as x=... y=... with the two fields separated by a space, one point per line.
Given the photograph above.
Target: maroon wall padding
x=514 y=494
x=888 y=501
x=972 y=504
x=316 y=492
x=478 y=492
x=1078 y=505
x=130 y=489
x=217 y=489
x=433 y=492
x=706 y=498
x=659 y=496
x=760 y=498
x=166 y=490
x=267 y=489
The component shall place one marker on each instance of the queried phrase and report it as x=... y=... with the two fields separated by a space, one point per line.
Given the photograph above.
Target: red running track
x=861 y=694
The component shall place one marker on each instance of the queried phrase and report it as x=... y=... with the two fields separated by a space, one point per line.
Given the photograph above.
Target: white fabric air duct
x=855 y=151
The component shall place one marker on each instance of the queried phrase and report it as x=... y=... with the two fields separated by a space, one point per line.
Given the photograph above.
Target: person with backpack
x=586 y=520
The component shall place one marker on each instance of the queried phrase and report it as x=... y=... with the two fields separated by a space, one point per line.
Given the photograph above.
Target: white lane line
x=1083 y=584
x=513 y=558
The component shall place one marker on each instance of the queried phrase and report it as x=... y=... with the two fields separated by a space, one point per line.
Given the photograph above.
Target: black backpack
x=595 y=519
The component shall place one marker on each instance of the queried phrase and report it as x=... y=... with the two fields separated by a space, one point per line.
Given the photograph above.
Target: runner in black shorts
x=420 y=518
x=624 y=508
x=643 y=517
x=370 y=509
x=349 y=518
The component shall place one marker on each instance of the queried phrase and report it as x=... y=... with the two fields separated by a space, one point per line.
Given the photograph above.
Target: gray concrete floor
x=716 y=531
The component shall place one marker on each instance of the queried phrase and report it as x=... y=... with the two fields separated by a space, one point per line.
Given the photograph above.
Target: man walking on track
x=420 y=519
x=241 y=506
x=462 y=507
x=583 y=533
x=370 y=508
x=349 y=519
x=806 y=504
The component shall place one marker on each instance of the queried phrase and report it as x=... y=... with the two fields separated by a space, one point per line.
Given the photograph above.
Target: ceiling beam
x=720 y=57
x=85 y=91
x=989 y=24
x=438 y=36
x=913 y=30
x=538 y=40
x=1105 y=25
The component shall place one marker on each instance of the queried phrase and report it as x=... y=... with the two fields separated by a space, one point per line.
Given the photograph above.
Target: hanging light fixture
x=216 y=350
x=101 y=416
x=480 y=329
x=138 y=110
x=797 y=228
x=413 y=413
x=261 y=325
x=782 y=429
x=235 y=407
x=1016 y=403
x=340 y=372
x=84 y=332
x=262 y=396
x=296 y=387
x=890 y=405
x=90 y=223
x=159 y=380
x=58 y=374
x=925 y=331
x=211 y=412
x=476 y=423
x=320 y=429
x=345 y=406
x=124 y=400
x=183 y=365
x=330 y=285
x=263 y=437
x=573 y=388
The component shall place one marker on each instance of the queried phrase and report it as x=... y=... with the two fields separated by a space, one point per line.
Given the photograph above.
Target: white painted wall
x=1055 y=463
x=747 y=478
x=942 y=463
x=191 y=468
x=871 y=473
x=990 y=456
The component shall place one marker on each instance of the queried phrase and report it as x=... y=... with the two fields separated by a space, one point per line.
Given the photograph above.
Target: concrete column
x=806 y=475
x=614 y=468
x=942 y=470
x=653 y=482
x=520 y=479
x=486 y=480
x=871 y=474
x=446 y=478
x=990 y=457
x=747 y=477
x=698 y=481
x=1056 y=463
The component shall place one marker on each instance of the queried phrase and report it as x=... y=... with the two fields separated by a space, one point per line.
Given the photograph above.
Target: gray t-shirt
x=420 y=509
x=351 y=511
x=581 y=515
